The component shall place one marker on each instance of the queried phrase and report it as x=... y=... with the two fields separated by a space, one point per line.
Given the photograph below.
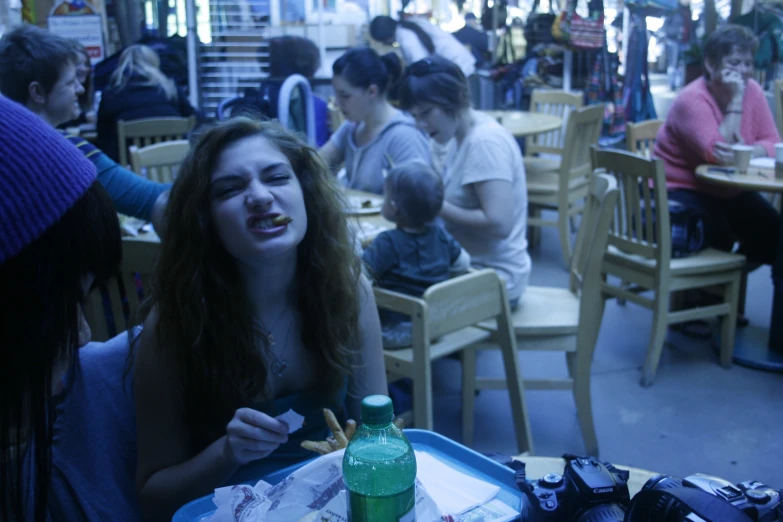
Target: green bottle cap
x=377 y=409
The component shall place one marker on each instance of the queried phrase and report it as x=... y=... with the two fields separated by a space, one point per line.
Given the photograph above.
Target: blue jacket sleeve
x=132 y=194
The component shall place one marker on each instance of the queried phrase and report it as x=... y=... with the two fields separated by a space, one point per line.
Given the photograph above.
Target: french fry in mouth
x=282 y=219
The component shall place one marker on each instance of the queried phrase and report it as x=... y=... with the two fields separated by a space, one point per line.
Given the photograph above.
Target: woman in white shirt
x=485 y=205
x=419 y=39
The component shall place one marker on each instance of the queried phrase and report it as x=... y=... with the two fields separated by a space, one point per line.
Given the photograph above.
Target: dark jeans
x=747 y=218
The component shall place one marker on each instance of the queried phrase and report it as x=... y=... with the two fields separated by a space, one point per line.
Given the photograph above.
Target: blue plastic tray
x=452 y=453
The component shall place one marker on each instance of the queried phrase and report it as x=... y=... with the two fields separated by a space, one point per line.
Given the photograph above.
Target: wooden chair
x=563 y=189
x=159 y=162
x=639 y=252
x=552 y=319
x=557 y=103
x=150 y=131
x=640 y=137
x=112 y=310
x=444 y=320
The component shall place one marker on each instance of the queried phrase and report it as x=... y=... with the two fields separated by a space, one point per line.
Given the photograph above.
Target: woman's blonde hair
x=140 y=60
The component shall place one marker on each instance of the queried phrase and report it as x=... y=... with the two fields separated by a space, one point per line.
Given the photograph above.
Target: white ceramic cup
x=742 y=155
x=779 y=153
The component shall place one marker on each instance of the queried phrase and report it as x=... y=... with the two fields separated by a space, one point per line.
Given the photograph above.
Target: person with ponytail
x=419 y=39
x=376 y=136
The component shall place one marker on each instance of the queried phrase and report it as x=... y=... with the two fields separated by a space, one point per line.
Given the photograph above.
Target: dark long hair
x=382 y=28
x=205 y=321
x=362 y=67
x=41 y=288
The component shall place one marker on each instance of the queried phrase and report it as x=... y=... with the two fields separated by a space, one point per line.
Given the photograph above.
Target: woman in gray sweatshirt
x=376 y=136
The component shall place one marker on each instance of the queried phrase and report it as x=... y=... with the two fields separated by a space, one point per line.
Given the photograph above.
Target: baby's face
x=389 y=209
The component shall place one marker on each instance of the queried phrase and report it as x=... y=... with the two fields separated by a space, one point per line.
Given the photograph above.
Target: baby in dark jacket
x=417 y=254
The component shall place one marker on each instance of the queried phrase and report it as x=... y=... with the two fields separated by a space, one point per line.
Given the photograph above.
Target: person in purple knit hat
x=59 y=236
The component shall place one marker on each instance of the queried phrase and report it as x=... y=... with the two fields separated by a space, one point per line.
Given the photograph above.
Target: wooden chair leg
x=657 y=337
x=583 y=400
x=422 y=393
x=564 y=230
x=468 y=356
x=515 y=387
x=729 y=322
x=743 y=291
x=534 y=231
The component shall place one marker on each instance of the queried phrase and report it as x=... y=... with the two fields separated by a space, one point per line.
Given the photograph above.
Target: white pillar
x=192 y=44
x=568 y=69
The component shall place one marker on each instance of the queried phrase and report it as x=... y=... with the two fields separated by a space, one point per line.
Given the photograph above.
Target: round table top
x=524 y=123
x=754 y=179
x=537 y=467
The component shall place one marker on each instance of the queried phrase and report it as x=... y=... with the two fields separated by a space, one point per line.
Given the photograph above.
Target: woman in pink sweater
x=720 y=109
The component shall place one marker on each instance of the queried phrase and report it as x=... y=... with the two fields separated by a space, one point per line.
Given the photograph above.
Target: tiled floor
x=697 y=416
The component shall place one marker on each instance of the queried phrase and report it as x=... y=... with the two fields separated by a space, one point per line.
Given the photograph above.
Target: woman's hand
x=723 y=153
x=252 y=435
x=734 y=81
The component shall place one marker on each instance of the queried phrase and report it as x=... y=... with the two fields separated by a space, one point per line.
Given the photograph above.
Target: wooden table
x=367 y=226
x=757 y=347
x=524 y=123
x=537 y=467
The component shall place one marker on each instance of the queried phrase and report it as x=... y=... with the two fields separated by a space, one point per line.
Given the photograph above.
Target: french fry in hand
x=321 y=447
x=350 y=428
x=337 y=430
x=339 y=439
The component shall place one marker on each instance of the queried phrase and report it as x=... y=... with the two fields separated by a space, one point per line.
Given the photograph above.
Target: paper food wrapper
x=314 y=492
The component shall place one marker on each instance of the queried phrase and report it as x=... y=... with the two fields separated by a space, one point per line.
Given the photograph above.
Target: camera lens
x=603 y=513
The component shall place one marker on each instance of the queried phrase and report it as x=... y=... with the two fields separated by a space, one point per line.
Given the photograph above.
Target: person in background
x=286 y=55
x=86 y=112
x=28 y=77
x=485 y=206
x=476 y=39
x=59 y=237
x=417 y=254
x=376 y=136
x=259 y=307
x=137 y=89
x=419 y=38
x=722 y=108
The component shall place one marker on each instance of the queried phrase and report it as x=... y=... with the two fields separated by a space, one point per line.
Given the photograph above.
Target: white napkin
x=453 y=491
x=763 y=163
x=293 y=419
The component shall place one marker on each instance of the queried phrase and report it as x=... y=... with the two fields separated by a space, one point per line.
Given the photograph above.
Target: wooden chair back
x=557 y=103
x=640 y=137
x=149 y=131
x=462 y=301
x=111 y=310
x=592 y=238
x=159 y=162
x=582 y=132
x=641 y=220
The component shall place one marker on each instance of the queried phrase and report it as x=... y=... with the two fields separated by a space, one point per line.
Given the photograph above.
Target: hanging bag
x=604 y=87
x=580 y=32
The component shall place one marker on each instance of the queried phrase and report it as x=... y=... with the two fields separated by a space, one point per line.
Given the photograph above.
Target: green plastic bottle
x=379 y=467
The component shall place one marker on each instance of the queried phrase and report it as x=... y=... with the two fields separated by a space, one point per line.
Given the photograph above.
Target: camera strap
x=709 y=507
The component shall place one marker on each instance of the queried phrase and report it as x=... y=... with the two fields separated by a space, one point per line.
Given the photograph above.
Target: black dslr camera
x=588 y=490
x=759 y=502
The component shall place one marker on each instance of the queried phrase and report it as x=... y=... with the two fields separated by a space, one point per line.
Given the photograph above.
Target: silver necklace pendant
x=278 y=367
